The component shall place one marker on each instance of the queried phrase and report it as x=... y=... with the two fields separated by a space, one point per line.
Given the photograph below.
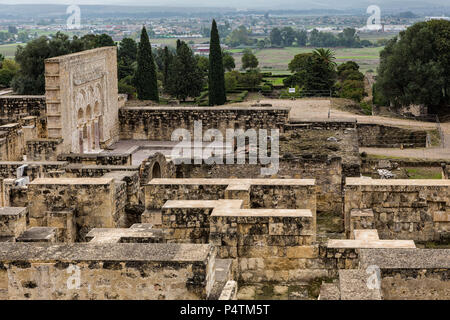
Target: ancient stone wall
x=15 y=108
x=266 y=244
x=96 y=203
x=263 y=193
x=82 y=99
x=108 y=271
x=106 y=158
x=78 y=170
x=158 y=123
x=327 y=173
x=13 y=221
x=379 y=136
x=33 y=170
x=157 y=166
x=11 y=142
x=411 y=274
x=43 y=149
x=402 y=209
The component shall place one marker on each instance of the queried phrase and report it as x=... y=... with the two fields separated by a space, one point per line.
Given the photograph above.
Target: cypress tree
x=217 y=94
x=145 y=78
x=185 y=78
x=166 y=66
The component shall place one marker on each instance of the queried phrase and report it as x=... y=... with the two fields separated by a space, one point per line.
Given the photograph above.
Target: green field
x=277 y=59
x=172 y=42
x=8 y=50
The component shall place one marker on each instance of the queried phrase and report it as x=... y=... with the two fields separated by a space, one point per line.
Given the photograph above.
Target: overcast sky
x=276 y=4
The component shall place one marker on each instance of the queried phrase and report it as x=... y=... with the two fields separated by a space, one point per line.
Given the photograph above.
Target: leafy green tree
x=202 y=65
x=2 y=57
x=261 y=44
x=12 y=30
x=239 y=37
x=185 y=78
x=146 y=78
x=228 y=61
x=250 y=79
x=5 y=37
x=415 y=68
x=312 y=72
x=349 y=71
x=125 y=86
x=217 y=94
x=352 y=89
x=30 y=79
x=302 y=38
x=127 y=50
x=288 y=36
x=126 y=57
x=351 y=81
x=275 y=37
x=104 y=40
x=23 y=37
x=249 y=60
x=231 y=80
x=349 y=38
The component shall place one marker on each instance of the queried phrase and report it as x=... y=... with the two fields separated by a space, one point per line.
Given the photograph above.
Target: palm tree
x=327 y=55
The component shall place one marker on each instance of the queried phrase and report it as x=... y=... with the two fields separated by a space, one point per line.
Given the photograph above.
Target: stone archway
x=156 y=171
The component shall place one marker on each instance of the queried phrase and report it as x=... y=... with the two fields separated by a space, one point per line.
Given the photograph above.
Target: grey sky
x=276 y=4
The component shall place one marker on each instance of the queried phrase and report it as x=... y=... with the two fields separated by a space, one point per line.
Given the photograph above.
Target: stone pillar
x=89 y=136
x=100 y=128
x=80 y=140
x=96 y=136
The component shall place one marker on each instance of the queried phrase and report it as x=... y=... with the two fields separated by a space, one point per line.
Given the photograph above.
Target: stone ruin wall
x=82 y=99
x=379 y=136
x=96 y=203
x=327 y=173
x=411 y=274
x=109 y=271
x=158 y=123
x=13 y=109
x=278 y=194
x=11 y=142
x=402 y=209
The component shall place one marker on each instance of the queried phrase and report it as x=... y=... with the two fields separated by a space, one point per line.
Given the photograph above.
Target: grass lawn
x=172 y=42
x=8 y=50
x=424 y=173
x=275 y=81
x=279 y=58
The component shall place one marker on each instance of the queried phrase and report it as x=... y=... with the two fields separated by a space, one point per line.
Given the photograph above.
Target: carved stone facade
x=81 y=94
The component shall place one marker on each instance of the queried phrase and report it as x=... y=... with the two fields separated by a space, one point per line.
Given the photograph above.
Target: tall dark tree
x=217 y=93
x=167 y=61
x=104 y=40
x=126 y=57
x=185 y=78
x=145 y=78
x=275 y=37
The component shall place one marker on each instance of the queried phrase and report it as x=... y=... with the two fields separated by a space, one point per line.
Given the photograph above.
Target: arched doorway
x=156 y=171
